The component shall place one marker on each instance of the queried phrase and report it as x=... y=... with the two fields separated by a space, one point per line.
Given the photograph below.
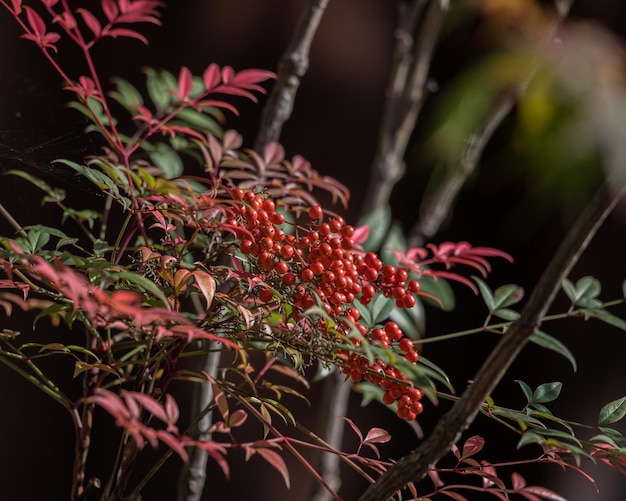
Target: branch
x=436 y=207
x=333 y=405
x=292 y=67
x=414 y=466
x=193 y=474
x=405 y=96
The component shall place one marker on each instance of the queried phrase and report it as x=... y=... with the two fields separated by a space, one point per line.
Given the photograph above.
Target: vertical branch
x=333 y=405
x=193 y=474
x=405 y=97
x=292 y=67
x=415 y=466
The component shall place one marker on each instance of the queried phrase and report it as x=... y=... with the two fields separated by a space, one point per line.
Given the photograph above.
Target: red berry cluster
x=318 y=262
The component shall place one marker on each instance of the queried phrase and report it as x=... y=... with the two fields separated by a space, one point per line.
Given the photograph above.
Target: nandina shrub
x=206 y=248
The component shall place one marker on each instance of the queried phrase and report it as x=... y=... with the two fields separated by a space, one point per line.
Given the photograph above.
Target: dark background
x=335 y=126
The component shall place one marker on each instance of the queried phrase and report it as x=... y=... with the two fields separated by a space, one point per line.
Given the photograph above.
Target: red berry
x=315 y=212
x=265 y=295
x=289 y=279
x=307 y=274
x=406 y=345
x=237 y=193
x=281 y=267
x=414 y=286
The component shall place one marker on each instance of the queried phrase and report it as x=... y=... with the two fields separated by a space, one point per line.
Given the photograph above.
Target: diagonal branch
x=292 y=67
x=415 y=465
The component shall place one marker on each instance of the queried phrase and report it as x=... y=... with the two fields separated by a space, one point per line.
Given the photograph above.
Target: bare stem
x=405 y=96
x=193 y=474
x=292 y=67
x=415 y=465
x=333 y=405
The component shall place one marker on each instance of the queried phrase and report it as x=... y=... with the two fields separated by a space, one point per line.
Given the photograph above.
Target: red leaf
x=211 y=76
x=171 y=409
x=49 y=3
x=227 y=74
x=273 y=153
x=277 y=462
x=92 y=22
x=454 y=495
x=173 y=443
x=110 y=9
x=123 y=32
x=185 y=83
x=472 y=446
x=377 y=436
x=35 y=21
x=17 y=7
x=237 y=418
x=518 y=481
x=217 y=452
x=544 y=493
x=148 y=403
x=354 y=427
x=252 y=76
x=434 y=478
x=206 y=284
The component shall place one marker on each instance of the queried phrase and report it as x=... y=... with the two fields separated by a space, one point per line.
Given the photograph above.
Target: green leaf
x=126 y=94
x=198 y=120
x=546 y=392
x=585 y=293
x=145 y=284
x=378 y=222
x=411 y=320
x=551 y=343
x=606 y=317
x=486 y=294
x=167 y=161
x=506 y=314
x=380 y=308
x=522 y=419
x=507 y=295
x=439 y=288
x=528 y=392
x=158 y=85
x=395 y=241
x=612 y=412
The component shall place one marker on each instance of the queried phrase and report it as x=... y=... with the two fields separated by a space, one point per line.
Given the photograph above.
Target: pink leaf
x=110 y=9
x=217 y=452
x=171 y=409
x=273 y=153
x=49 y=3
x=92 y=22
x=354 y=427
x=173 y=443
x=472 y=446
x=227 y=74
x=544 y=493
x=237 y=418
x=454 y=495
x=35 y=21
x=377 y=436
x=123 y=32
x=211 y=76
x=148 y=403
x=252 y=76
x=434 y=478
x=360 y=234
x=206 y=284
x=185 y=83
x=17 y=7
x=277 y=462
x=518 y=481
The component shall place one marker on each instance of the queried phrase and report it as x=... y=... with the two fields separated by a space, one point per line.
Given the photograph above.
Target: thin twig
x=415 y=465
x=437 y=206
x=405 y=97
x=292 y=67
